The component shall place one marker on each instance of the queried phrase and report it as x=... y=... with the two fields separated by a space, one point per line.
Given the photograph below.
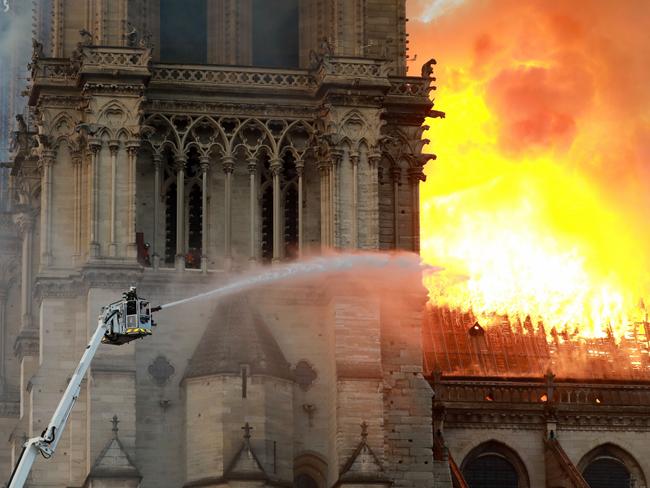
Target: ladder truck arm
x=113 y=327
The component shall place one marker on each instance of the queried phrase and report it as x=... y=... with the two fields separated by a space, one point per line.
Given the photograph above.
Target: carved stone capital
x=228 y=164
x=275 y=166
x=27 y=343
x=205 y=164
x=114 y=146
x=47 y=158
x=94 y=145
x=252 y=166
x=416 y=175
x=180 y=161
x=132 y=148
x=24 y=222
x=157 y=160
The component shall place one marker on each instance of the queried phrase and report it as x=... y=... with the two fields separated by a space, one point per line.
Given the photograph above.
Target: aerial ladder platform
x=119 y=322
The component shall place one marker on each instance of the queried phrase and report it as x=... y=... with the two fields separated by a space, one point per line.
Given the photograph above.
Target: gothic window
x=183 y=31
x=610 y=466
x=288 y=200
x=266 y=204
x=494 y=465
x=275 y=33
x=303 y=480
x=170 y=222
x=194 y=212
x=490 y=471
x=290 y=208
x=607 y=473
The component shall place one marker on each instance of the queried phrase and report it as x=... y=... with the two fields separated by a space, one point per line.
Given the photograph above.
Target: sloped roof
x=364 y=465
x=237 y=335
x=114 y=462
x=454 y=346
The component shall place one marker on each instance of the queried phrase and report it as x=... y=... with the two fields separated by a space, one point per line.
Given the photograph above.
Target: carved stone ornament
x=161 y=370
x=304 y=374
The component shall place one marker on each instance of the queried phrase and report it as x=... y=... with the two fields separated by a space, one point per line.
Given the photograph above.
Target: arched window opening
x=611 y=466
x=194 y=209
x=494 y=465
x=266 y=211
x=170 y=223
x=195 y=231
x=303 y=480
x=275 y=33
x=183 y=31
x=490 y=471
x=290 y=204
x=607 y=473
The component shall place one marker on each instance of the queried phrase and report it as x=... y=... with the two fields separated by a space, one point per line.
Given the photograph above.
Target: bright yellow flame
x=525 y=235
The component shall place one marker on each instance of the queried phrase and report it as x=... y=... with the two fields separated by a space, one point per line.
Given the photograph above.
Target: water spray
x=321 y=265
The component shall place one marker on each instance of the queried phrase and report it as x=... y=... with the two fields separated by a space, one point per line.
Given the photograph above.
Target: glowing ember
x=537 y=204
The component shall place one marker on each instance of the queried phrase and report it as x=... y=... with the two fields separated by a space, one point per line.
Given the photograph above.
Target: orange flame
x=537 y=204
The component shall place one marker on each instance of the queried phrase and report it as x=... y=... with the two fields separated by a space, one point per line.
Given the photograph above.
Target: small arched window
x=494 y=465
x=607 y=473
x=611 y=466
x=490 y=471
x=303 y=480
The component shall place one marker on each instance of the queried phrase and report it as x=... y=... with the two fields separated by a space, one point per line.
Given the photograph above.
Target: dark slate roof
x=237 y=335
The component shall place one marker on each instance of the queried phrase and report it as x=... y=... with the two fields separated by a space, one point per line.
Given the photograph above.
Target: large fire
x=537 y=204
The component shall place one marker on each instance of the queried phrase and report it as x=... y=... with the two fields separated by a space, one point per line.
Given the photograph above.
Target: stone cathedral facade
x=173 y=145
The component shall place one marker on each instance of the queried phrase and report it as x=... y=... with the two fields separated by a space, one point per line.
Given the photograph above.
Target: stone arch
x=617 y=454
x=498 y=451
x=268 y=139
x=311 y=464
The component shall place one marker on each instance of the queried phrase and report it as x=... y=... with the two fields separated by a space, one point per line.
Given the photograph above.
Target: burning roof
x=456 y=344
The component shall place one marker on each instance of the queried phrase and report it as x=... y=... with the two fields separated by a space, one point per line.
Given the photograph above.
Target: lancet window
x=193 y=210
x=290 y=202
x=275 y=33
x=251 y=181
x=183 y=31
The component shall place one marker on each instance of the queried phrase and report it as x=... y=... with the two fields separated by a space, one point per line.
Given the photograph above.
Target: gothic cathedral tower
x=173 y=145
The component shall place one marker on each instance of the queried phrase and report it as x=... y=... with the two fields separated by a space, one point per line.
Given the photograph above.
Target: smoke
x=15 y=31
x=566 y=77
x=547 y=137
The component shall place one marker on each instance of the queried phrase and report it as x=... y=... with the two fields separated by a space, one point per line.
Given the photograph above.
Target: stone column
x=373 y=161
x=93 y=188
x=47 y=160
x=276 y=169
x=7 y=267
x=332 y=170
x=300 y=167
x=252 y=170
x=112 y=248
x=228 y=165
x=354 y=159
x=323 y=168
x=415 y=176
x=25 y=222
x=76 y=167
x=396 y=173
x=181 y=161
x=157 y=162
x=131 y=246
x=205 y=164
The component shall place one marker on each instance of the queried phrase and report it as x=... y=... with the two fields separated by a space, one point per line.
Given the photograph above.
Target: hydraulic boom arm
x=113 y=328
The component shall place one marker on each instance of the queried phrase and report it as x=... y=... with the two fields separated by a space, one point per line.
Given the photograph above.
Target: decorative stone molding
x=27 y=343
